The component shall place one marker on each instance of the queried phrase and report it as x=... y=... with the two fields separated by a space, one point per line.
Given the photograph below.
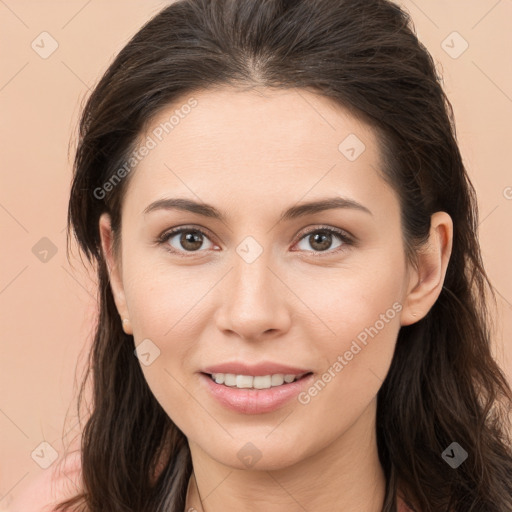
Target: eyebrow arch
x=294 y=212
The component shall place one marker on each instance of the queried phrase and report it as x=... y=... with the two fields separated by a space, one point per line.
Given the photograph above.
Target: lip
x=256 y=370
x=254 y=401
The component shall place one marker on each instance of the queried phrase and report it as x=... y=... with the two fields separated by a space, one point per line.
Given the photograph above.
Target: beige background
x=47 y=307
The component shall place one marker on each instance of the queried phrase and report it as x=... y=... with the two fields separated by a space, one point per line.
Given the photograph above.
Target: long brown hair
x=443 y=385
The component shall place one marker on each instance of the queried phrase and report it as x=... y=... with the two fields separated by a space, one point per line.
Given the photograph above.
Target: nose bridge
x=251 y=280
x=251 y=303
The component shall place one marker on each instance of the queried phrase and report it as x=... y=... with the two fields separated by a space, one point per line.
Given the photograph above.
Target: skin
x=252 y=154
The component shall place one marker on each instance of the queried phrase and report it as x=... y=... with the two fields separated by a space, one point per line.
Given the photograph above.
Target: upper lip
x=259 y=369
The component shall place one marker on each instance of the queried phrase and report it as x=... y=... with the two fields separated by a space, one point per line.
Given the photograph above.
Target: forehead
x=254 y=143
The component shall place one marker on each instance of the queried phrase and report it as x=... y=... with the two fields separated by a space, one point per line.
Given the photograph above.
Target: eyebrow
x=293 y=212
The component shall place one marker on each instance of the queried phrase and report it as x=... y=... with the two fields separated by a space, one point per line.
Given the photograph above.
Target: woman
x=292 y=299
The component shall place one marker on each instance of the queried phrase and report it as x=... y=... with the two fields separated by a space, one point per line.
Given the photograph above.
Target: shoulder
x=59 y=482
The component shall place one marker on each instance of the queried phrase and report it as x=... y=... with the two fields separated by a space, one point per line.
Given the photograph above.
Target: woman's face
x=257 y=287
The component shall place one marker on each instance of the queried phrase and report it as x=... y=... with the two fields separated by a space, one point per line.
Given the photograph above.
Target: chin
x=260 y=455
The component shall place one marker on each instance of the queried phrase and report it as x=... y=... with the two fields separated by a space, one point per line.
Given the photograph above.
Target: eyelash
x=344 y=237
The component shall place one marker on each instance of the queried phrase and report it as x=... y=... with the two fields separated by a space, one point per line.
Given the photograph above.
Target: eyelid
x=347 y=238
x=312 y=228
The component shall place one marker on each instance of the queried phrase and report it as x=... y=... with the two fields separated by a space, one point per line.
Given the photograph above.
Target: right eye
x=190 y=240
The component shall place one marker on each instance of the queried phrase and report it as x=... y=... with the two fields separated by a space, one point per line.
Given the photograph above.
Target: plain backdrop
x=53 y=53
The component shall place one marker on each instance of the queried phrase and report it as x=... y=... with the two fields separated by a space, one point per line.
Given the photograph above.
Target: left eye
x=191 y=239
x=323 y=238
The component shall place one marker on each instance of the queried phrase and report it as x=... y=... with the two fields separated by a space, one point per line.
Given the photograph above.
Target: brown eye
x=189 y=240
x=321 y=240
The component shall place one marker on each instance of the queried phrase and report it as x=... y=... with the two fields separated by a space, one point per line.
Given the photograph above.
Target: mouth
x=255 y=381
x=254 y=394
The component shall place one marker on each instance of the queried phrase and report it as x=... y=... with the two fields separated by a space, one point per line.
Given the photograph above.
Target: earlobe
x=112 y=262
x=427 y=280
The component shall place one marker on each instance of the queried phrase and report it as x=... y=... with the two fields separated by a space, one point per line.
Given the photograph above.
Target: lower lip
x=255 y=401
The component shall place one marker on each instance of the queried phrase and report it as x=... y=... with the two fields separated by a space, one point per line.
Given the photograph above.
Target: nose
x=252 y=303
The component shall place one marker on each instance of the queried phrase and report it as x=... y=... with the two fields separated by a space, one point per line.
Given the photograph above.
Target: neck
x=345 y=475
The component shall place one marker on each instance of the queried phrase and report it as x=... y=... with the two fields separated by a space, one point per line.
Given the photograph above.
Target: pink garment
x=402 y=507
x=58 y=482
x=61 y=481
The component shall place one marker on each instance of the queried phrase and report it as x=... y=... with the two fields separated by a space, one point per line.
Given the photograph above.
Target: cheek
x=167 y=307
x=163 y=301
x=343 y=302
x=355 y=329
x=166 y=313
x=356 y=360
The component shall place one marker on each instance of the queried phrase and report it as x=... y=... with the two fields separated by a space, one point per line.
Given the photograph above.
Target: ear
x=113 y=263
x=426 y=281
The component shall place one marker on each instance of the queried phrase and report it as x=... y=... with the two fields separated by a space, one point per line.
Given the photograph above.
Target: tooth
x=230 y=379
x=244 y=381
x=262 y=382
x=257 y=382
x=277 y=379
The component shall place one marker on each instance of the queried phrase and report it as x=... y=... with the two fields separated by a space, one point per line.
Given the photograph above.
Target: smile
x=241 y=394
x=255 y=382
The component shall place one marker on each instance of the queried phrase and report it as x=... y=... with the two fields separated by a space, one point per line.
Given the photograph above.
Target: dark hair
x=443 y=385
